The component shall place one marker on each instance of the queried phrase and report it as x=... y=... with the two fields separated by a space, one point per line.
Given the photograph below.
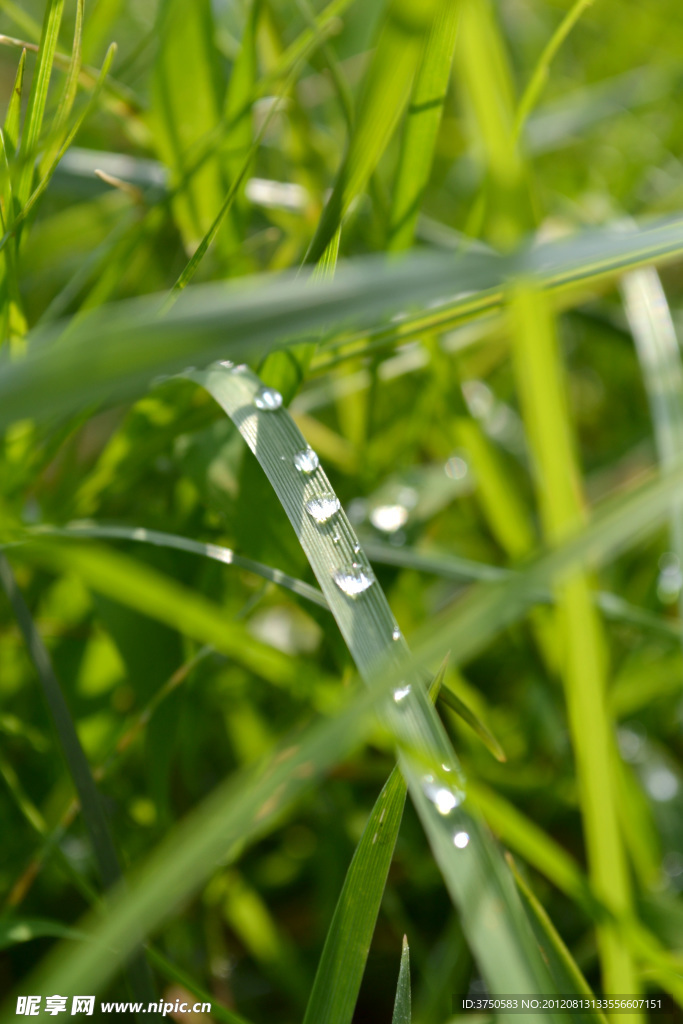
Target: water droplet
x=356 y=549
x=227 y=364
x=443 y=797
x=389 y=518
x=401 y=692
x=461 y=839
x=396 y=633
x=336 y=538
x=456 y=468
x=354 y=579
x=323 y=507
x=240 y=368
x=267 y=399
x=306 y=461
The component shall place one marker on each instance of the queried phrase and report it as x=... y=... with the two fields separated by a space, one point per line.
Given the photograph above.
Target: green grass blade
x=499 y=936
x=23 y=929
x=135 y=585
x=452 y=701
x=402 y=1012
x=422 y=126
x=216 y=552
x=37 y=99
x=538 y=80
x=170 y=971
x=13 y=116
x=241 y=809
x=340 y=971
x=68 y=97
x=385 y=95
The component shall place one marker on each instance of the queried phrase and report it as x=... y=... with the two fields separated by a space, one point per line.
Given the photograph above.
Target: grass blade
x=37 y=100
x=13 y=116
x=452 y=701
x=68 y=95
x=402 y=1013
x=340 y=971
x=422 y=126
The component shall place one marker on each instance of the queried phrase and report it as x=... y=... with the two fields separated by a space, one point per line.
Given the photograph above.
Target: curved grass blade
x=14 y=930
x=85 y=528
x=151 y=593
x=470 y=863
x=340 y=971
x=37 y=100
x=241 y=809
x=402 y=1011
x=452 y=701
x=422 y=126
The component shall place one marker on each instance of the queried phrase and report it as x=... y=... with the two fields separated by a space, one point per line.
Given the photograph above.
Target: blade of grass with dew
x=94 y=816
x=243 y=808
x=226 y=556
x=539 y=379
x=37 y=100
x=385 y=94
x=145 y=590
x=470 y=863
x=564 y=968
x=402 y=1011
x=61 y=118
x=215 y=322
x=421 y=129
x=538 y=80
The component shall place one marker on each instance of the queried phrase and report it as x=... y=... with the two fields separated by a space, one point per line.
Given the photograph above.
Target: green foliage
x=340 y=343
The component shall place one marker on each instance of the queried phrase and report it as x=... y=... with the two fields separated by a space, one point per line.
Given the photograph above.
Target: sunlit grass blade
x=422 y=126
x=243 y=808
x=402 y=1012
x=68 y=96
x=340 y=971
x=385 y=95
x=168 y=540
x=37 y=100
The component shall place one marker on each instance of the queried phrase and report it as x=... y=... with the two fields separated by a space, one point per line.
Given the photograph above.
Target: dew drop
x=267 y=399
x=461 y=839
x=401 y=692
x=323 y=507
x=306 y=461
x=354 y=579
x=396 y=633
x=240 y=368
x=443 y=797
x=389 y=518
x=356 y=549
x=336 y=538
x=227 y=364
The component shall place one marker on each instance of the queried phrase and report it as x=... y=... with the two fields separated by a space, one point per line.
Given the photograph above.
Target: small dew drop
x=461 y=839
x=240 y=368
x=401 y=692
x=356 y=549
x=396 y=633
x=306 y=461
x=389 y=518
x=352 y=580
x=267 y=399
x=323 y=507
x=336 y=538
x=456 y=468
x=227 y=364
x=444 y=799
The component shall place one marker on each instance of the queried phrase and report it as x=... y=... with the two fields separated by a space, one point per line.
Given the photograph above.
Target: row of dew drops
x=353 y=580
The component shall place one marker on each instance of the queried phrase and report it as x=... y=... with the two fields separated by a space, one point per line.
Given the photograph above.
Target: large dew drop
x=323 y=507
x=354 y=579
x=306 y=461
x=461 y=840
x=443 y=797
x=267 y=399
x=401 y=692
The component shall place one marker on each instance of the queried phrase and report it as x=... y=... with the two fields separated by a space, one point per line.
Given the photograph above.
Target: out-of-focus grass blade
x=243 y=808
x=216 y=322
x=170 y=971
x=422 y=126
x=452 y=701
x=13 y=115
x=14 y=930
x=151 y=593
x=385 y=95
x=471 y=864
x=68 y=94
x=340 y=971
x=539 y=77
x=402 y=1012
x=140 y=534
x=93 y=811
x=37 y=100
x=564 y=968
